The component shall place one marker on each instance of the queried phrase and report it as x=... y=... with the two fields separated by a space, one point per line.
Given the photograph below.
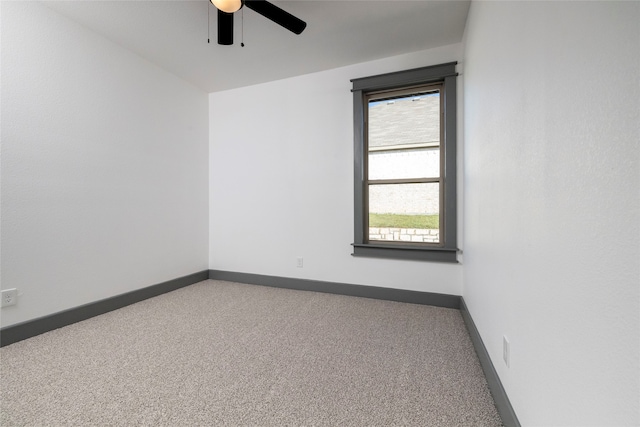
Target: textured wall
x=282 y=181
x=104 y=167
x=552 y=250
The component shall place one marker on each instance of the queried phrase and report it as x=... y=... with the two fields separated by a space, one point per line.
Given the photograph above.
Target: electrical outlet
x=9 y=297
x=506 y=350
x=300 y=262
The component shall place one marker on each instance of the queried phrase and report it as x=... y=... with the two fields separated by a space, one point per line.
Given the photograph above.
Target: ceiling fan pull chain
x=208 y=22
x=242 y=28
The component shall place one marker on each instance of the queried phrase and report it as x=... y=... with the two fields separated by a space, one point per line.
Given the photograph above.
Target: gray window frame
x=446 y=250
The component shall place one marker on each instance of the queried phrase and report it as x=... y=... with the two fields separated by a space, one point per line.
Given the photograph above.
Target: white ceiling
x=173 y=34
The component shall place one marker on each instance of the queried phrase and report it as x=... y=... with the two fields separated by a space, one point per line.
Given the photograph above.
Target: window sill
x=415 y=253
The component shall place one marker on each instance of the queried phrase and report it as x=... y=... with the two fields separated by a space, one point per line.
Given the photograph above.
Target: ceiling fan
x=226 y=8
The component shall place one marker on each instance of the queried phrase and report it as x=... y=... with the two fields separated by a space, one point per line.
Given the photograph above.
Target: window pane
x=404 y=212
x=404 y=121
x=397 y=164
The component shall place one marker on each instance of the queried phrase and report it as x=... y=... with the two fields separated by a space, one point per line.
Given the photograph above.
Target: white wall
x=282 y=181
x=104 y=167
x=552 y=114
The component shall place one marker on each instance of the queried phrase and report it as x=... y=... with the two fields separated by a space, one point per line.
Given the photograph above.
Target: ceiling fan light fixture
x=228 y=6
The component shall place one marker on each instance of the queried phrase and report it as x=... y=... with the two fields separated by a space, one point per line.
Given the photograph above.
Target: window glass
x=403 y=136
x=404 y=212
x=403 y=165
x=404 y=120
x=397 y=164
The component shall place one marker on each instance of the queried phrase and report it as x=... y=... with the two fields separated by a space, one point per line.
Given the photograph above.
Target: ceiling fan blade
x=277 y=15
x=225 y=28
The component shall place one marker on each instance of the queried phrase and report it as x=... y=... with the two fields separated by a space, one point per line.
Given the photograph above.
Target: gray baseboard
x=400 y=295
x=500 y=397
x=31 y=328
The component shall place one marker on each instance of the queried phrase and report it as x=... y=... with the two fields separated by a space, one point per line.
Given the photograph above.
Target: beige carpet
x=221 y=353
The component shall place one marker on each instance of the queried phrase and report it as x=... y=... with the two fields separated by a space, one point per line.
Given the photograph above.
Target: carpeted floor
x=221 y=353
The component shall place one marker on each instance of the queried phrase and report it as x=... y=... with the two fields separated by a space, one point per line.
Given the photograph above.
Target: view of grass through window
x=404 y=221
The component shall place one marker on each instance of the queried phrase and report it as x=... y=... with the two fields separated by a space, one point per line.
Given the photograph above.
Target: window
x=405 y=164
